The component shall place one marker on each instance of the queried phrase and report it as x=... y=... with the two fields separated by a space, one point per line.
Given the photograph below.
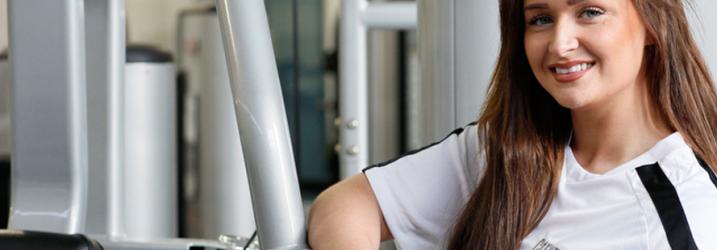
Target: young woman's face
x=584 y=52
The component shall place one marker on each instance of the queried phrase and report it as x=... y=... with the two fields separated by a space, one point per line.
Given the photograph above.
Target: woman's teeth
x=573 y=69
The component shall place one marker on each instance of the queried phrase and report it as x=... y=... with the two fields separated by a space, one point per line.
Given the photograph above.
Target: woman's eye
x=591 y=13
x=540 y=20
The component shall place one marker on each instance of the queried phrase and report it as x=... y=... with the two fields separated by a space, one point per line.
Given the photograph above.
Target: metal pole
x=353 y=98
x=391 y=15
x=357 y=16
x=49 y=175
x=115 y=126
x=224 y=191
x=262 y=124
x=105 y=45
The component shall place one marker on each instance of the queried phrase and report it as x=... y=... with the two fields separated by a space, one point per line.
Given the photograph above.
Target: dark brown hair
x=523 y=130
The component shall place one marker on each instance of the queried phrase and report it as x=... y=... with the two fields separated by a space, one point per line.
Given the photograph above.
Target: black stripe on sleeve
x=664 y=197
x=458 y=131
x=707 y=168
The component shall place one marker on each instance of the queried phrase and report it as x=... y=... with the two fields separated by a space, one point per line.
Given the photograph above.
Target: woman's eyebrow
x=574 y=2
x=534 y=6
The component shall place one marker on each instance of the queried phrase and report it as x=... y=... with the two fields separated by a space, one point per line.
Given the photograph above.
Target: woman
x=598 y=133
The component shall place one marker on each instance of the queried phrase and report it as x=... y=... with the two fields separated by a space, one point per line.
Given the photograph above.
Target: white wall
x=154 y=22
x=149 y=22
x=704 y=26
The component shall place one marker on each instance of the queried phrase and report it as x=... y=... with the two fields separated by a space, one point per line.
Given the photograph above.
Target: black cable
x=250 y=240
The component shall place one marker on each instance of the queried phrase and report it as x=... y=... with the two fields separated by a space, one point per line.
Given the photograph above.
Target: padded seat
x=33 y=240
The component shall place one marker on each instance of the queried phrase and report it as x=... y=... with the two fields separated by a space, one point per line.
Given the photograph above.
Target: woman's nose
x=564 y=40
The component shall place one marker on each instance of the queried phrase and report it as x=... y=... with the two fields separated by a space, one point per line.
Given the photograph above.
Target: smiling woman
x=598 y=132
x=594 y=104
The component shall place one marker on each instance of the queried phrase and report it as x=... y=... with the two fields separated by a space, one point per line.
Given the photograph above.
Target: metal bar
x=49 y=176
x=390 y=15
x=105 y=43
x=159 y=244
x=353 y=97
x=357 y=17
x=226 y=206
x=115 y=126
x=262 y=124
x=96 y=47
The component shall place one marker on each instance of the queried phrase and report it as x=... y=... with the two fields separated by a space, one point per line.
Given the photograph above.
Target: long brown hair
x=523 y=131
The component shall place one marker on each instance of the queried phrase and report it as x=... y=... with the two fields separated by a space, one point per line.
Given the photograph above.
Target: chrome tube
x=49 y=113
x=223 y=188
x=115 y=126
x=105 y=44
x=263 y=126
x=391 y=15
x=353 y=95
x=357 y=17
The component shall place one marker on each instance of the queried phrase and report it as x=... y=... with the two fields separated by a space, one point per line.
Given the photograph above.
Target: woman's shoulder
x=679 y=162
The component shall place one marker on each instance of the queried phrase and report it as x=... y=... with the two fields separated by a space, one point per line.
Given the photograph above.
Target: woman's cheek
x=535 y=49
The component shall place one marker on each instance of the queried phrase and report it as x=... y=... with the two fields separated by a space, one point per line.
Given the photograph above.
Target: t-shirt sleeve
x=422 y=193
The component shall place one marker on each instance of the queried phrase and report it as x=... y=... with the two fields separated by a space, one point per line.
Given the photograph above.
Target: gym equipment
x=150 y=139
x=221 y=193
x=358 y=16
x=68 y=109
x=53 y=158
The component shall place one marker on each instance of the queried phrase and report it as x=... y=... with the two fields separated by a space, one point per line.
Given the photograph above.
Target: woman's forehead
x=540 y=4
x=546 y=2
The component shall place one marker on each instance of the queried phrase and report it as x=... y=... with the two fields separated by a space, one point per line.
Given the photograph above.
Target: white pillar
x=458 y=42
x=704 y=28
x=150 y=204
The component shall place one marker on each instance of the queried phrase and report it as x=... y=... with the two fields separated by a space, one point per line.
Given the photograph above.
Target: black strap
x=707 y=168
x=456 y=132
x=669 y=208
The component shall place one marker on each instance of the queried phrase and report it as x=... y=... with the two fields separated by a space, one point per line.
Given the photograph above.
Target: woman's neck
x=614 y=132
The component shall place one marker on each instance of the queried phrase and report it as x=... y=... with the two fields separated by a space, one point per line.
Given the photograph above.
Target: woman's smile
x=570 y=71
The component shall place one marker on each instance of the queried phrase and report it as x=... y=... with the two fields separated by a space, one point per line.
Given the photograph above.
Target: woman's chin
x=570 y=102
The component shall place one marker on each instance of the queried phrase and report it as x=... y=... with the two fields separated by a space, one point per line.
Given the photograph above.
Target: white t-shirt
x=661 y=199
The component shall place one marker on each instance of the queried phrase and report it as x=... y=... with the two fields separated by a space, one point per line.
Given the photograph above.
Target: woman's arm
x=347 y=216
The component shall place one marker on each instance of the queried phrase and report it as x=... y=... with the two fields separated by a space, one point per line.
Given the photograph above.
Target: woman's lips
x=571 y=72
